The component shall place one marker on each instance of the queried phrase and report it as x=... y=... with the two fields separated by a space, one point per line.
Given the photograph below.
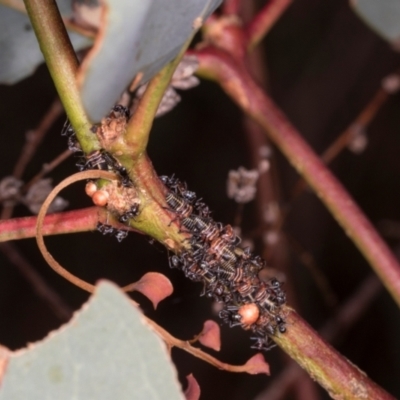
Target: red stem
x=237 y=82
x=55 y=224
x=231 y=7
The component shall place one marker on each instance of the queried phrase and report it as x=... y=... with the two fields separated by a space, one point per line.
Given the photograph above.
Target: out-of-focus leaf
x=210 y=336
x=137 y=37
x=193 y=391
x=257 y=365
x=383 y=16
x=20 y=54
x=4 y=356
x=106 y=352
x=154 y=286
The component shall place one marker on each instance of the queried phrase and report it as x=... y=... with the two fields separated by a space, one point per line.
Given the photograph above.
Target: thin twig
x=38 y=284
x=318 y=276
x=362 y=121
x=33 y=140
x=265 y=20
x=186 y=346
x=47 y=168
x=35 y=137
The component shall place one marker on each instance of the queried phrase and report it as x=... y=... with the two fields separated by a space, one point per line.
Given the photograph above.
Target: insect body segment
x=228 y=272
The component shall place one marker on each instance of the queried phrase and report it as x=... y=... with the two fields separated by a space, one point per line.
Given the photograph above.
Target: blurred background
x=322 y=65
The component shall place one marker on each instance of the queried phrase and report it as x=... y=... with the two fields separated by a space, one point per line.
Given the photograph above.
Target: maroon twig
x=35 y=137
x=47 y=168
x=264 y=20
x=231 y=7
x=38 y=284
x=33 y=140
x=318 y=276
x=82 y=220
x=342 y=141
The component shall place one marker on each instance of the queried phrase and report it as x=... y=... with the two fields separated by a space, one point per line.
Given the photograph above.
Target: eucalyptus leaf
x=383 y=16
x=20 y=54
x=139 y=37
x=105 y=352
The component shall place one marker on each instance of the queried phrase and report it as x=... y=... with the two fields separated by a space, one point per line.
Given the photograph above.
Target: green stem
x=138 y=130
x=62 y=64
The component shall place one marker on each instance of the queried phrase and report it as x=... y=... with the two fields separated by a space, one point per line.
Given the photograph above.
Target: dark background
x=323 y=66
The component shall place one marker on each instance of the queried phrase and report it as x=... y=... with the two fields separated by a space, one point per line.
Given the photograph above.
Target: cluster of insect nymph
x=229 y=273
x=101 y=159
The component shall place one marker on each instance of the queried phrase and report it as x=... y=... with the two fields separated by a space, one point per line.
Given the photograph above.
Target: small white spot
x=265 y=151
x=271 y=212
x=391 y=83
x=197 y=23
x=359 y=139
x=264 y=166
x=271 y=238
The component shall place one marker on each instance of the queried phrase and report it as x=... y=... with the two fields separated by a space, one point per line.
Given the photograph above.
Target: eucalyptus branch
x=330 y=369
x=238 y=83
x=62 y=64
x=74 y=221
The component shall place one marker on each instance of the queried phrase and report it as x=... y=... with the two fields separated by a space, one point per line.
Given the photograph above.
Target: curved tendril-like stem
x=172 y=341
x=264 y=20
x=92 y=174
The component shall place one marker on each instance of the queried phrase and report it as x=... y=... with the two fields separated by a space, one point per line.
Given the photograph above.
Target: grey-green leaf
x=20 y=54
x=383 y=16
x=106 y=352
x=140 y=37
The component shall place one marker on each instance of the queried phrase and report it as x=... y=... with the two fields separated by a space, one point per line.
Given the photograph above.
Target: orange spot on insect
x=249 y=313
x=100 y=198
x=90 y=189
